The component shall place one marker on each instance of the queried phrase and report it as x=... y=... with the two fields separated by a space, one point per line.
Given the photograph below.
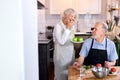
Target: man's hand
x=79 y=62
x=109 y=64
x=76 y=65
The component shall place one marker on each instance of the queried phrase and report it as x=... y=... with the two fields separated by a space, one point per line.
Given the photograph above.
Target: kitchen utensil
x=100 y=73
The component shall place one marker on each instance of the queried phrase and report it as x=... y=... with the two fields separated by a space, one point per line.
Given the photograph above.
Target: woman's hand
x=69 y=23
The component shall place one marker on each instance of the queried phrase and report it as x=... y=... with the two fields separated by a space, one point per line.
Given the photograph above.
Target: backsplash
x=46 y=19
x=82 y=25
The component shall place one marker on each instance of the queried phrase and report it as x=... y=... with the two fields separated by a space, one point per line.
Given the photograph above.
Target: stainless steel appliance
x=49 y=32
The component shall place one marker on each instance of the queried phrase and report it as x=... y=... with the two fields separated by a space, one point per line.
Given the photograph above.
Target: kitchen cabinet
x=88 y=6
x=81 y=6
x=58 y=6
x=45 y=48
x=43 y=62
x=42 y=1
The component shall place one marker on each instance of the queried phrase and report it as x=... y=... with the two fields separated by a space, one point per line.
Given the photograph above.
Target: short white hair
x=69 y=11
x=104 y=25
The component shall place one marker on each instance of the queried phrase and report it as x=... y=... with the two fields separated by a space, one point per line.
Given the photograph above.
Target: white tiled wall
x=41 y=20
x=82 y=26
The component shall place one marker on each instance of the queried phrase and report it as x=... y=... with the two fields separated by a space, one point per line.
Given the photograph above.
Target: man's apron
x=96 y=55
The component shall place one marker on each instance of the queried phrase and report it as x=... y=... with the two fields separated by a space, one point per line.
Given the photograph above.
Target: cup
x=82 y=71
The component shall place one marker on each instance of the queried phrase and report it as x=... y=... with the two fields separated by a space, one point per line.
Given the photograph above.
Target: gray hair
x=69 y=11
x=104 y=25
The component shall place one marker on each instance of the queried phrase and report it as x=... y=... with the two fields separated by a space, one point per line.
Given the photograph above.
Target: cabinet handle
x=51 y=49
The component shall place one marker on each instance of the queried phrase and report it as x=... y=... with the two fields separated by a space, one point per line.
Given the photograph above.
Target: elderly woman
x=64 y=49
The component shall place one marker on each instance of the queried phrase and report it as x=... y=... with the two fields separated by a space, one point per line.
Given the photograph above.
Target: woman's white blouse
x=61 y=34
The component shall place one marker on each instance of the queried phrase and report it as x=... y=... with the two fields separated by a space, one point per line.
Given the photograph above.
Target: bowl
x=101 y=72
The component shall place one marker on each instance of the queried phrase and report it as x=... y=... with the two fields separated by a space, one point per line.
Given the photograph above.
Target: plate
x=116 y=73
x=76 y=42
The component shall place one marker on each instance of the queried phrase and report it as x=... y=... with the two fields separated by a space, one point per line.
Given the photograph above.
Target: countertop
x=73 y=74
x=83 y=33
x=43 y=39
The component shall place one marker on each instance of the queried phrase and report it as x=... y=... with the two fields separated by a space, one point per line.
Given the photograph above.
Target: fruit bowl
x=77 y=40
x=100 y=73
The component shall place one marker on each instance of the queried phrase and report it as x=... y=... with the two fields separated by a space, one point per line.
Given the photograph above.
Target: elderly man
x=97 y=49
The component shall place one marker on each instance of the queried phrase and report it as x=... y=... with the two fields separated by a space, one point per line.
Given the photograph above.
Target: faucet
x=77 y=27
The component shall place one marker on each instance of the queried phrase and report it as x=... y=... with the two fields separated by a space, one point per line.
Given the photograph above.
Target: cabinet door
x=42 y=1
x=58 y=6
x=44 y=61
x=88 y=6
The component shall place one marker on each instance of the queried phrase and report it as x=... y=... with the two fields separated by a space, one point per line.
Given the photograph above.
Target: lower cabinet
x=78 y=46
x=44 y=60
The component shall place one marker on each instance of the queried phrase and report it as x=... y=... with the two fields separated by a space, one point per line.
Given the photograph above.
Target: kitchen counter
x=73 y=74
x=43 y=39
x=83 y=33
x=45 y=50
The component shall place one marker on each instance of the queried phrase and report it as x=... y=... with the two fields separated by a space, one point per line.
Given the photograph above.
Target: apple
x=75 y=39
x=113 y=69
x=98 y=65
x=80 y=39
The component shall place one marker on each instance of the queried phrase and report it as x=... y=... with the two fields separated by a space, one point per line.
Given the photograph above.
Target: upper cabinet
x=81 y=6
x=42 y=1
x=88 y=6
x=58 y=6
